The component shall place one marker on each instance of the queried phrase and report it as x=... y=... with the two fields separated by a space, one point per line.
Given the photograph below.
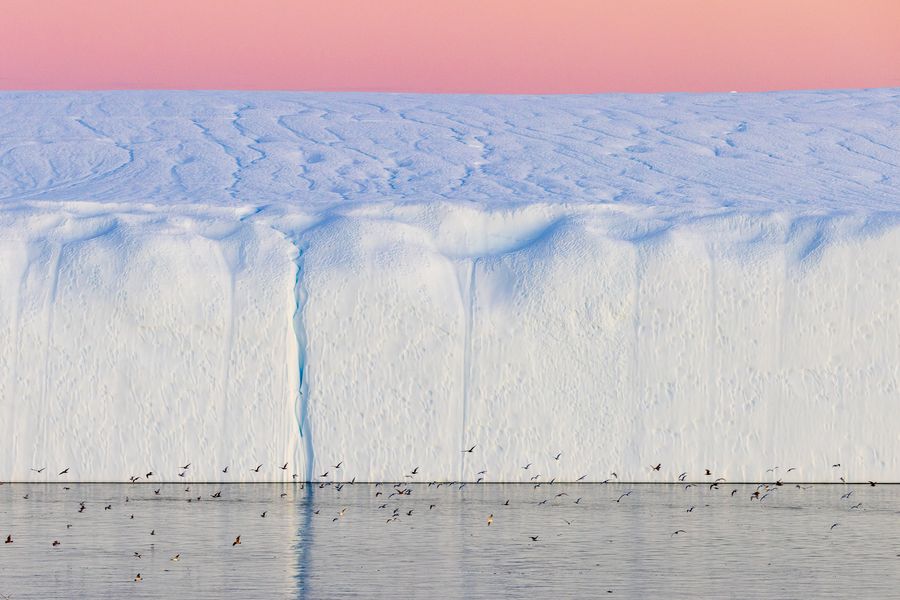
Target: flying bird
x=470 y=449
x=628 y=493
x=64 y=471
x=236 y=541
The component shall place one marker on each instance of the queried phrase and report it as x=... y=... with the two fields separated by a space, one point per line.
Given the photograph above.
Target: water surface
x=587 y=544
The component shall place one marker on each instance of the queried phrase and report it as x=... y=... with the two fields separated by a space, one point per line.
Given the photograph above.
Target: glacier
x=707 y=281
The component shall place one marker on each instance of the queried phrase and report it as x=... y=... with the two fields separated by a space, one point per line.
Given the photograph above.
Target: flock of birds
x=404 y=489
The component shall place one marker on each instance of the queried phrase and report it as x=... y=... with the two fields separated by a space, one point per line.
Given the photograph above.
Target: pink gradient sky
x=498 y=46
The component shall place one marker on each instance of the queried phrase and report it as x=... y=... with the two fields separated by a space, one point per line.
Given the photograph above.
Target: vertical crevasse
x=468 y=298
x=302 y=397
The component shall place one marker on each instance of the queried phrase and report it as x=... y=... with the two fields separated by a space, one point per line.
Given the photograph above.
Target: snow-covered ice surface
x=705 y=281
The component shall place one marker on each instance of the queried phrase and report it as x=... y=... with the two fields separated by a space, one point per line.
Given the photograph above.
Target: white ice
x=705 y=281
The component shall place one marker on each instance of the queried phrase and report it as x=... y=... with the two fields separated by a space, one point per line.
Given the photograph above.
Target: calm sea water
x=732 y=547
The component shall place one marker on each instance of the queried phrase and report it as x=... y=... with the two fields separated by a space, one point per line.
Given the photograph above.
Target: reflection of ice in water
x=783 y=546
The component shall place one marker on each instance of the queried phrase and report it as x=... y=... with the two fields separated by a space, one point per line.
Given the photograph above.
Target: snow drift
x=705 y=281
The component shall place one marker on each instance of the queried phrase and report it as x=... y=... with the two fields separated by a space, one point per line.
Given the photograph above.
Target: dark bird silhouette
x=856 y=506
x=55 y=543
x=9 y=540
x=337 y=466
x=847 y=495
x=414 y=471
x=628 y=493
x=708 y=472
x=836 y=465
x=263 y=515
x=656 y=468
x=733 y=492
x=156 y=492
x=185 y=467
x=534 y=538
x=677 y=532
x=284 y=467
x=872 y=483
x=138 y=577
x=41 y=470
x=682 y=476
x=256 y=470
x=470 y=450
x=528 y=465
x=225 y=470
x=64 y=471
x=325 y=474
x=691 y=509
x=236 y=541
x=506 y=503
x=148 y=475
x=834 y=525
x=557 y=456
x=182 y=474
x=218 y=494
x=580 y=478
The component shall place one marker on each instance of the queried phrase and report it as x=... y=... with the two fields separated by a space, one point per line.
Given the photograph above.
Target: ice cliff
x=702 y=281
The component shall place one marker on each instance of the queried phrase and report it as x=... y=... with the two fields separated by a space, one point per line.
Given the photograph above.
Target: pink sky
x=517 y=46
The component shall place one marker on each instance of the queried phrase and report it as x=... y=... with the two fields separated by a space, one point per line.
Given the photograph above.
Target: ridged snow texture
x=705 y=281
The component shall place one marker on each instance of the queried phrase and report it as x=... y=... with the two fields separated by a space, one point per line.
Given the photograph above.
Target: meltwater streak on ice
x=703 y=281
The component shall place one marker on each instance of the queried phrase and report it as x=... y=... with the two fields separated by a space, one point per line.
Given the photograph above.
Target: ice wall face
x=388 y=332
